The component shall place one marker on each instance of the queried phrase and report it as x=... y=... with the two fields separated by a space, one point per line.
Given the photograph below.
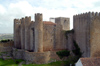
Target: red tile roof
x=49 y=23
x=93 y=61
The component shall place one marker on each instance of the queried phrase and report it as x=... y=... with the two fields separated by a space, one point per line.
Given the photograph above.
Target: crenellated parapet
x=86 y=15
x=27 y=21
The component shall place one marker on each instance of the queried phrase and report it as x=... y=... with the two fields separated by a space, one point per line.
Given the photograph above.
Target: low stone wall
x=54 y=56
x=7 y=44
x=35 y=57
x=6 y=47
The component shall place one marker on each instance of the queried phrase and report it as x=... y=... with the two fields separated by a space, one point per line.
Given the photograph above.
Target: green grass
x=11 y=62
x=57 y=63
x=8 y=62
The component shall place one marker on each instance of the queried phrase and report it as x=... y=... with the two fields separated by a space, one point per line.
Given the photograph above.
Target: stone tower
x=17 y=40
x=22 y=33
x=65 y=22
x=27 y=33
x=81 y=24
x=38 y=33
x=95 y=34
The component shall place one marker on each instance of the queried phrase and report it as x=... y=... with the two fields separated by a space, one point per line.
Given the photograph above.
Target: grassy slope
x=12 y=63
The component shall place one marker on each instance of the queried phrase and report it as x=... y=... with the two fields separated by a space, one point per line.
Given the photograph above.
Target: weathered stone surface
x=22 y=33
x=81 y=32
x=27 y=33
x=17 y=37
x=48 y=37
x=35 y=57
x=95 y=36
x=38 y=32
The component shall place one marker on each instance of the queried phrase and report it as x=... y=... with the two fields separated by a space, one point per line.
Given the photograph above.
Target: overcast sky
x=10 y=9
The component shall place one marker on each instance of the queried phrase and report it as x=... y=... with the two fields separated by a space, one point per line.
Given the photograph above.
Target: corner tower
x=27 y=32
x=17 y=37
x=38 y=32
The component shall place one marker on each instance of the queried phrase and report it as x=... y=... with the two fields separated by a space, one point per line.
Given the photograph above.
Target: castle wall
x=69 y=43
x=34 y=57
x=82 y=32
x=17 y=34
x=32 y=36
x=48 y=37
x=6 y=47
x=95 y=35
x=38 y=33
x=60 y=39
x=63 y=40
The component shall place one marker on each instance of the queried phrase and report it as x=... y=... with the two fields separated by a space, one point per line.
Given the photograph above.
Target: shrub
x=6 y=40
x=63 y=53
x=77 y=51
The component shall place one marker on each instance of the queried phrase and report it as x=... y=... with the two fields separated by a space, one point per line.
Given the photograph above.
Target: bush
x=72 y=59
x=63 y=53
x=6 y=40
x=77 y=51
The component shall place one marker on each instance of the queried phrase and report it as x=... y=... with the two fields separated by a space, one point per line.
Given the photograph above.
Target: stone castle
x=43 y=37
x=39 y=35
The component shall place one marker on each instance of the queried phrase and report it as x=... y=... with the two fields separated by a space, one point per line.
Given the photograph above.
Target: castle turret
x=27 y=33
x=22 y=33
x=17 y=41
x=38 y=33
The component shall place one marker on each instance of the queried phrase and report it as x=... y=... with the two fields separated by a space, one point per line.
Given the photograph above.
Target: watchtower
x=17 y=40
x=27 y=32
x=38 y=32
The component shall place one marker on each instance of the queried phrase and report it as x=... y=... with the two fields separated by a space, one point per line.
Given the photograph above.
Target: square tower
x=64 y=22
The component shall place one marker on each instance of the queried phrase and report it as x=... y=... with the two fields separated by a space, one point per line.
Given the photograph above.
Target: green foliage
x=6 y=40
x=73 y=59
x=63 y=53
x=8 y=62
x=77 y=51
x=11 y=62
x=17 y=61
x=70 y=58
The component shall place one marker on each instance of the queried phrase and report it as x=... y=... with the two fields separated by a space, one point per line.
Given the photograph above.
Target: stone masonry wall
x=27 y=33
x=95 y=35
x=70 y=38
x=38 y=32
x=32 y=36
x=22 y=33
x=61 y=41
x=48 y=37
x=5 y=47
x=82 y=32
x=17 y=37
x=35 y=57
